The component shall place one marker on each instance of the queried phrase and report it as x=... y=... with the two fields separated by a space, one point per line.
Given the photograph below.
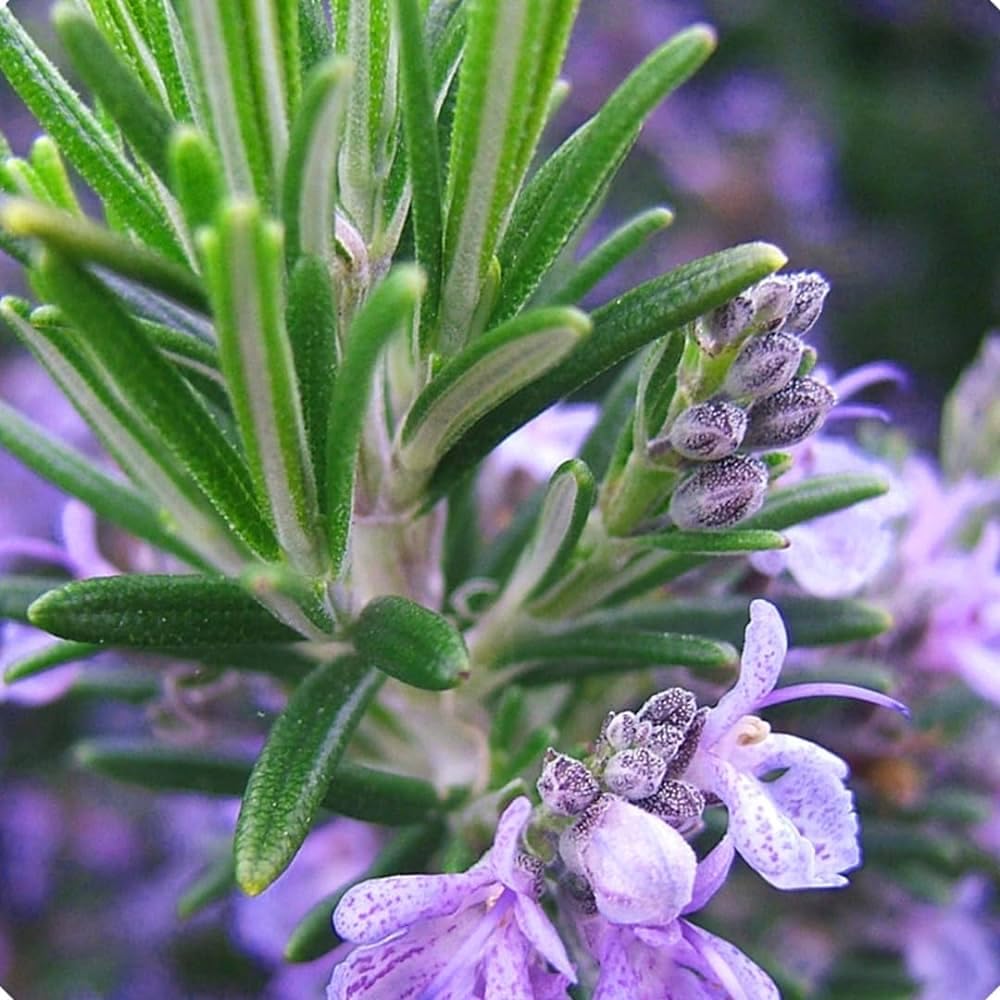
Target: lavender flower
x=675 y=958
x=479 y=933
x=800 y=830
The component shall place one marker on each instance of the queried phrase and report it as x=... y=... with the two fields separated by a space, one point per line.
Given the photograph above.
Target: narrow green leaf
x=494 y=96
x=597 y=150
x=567 y=503
x=621 y=327
x=216 y=882
x=526 y=755
x=51 y=171
x=142 y=119
x=309 y=194
x=411 y=643
x=80 y=136
x=87 y=242
x=543 y=100
x=814 y=498
x=362 y=32
x=151 y=611
x=604 y=258
x=314 y=33
x=491 y=369
x=216 y=32
x=271 y=47
x=407 y=853
x=588 y=651
x=18 y=592
x=715 y=543
x=462 y=535
x=423 y=156
x=296 y=767
x=195 y=176
x=156 y=392
x=244 y=265
x=171 y=56
x=388 y=309
x=810 y=621
x=76 y=474
x=58 y=654
x=130 y=442
x=311 y=318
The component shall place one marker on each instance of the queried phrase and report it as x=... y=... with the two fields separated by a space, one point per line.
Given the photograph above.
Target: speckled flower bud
x=623 y=729
x=707 y=431
x=764 y=365
x=565 y=785
x=675 y=706
x=719 y=494
x=789 y=416
x=772 y=298
x=810 y=291
x=635 y=774
x=720 y=327
x=675 y=800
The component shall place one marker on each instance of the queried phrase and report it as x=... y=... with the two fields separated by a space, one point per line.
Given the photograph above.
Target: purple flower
x=640 y=869
x=798 y=830
x=480 y=933
x=674 y=959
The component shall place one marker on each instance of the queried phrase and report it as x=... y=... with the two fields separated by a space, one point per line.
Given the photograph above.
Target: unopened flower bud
x=810 y=291
x=621 y=730
x=772 y=298
x=673 y=707
x=723 y=325
x=719 y=494
x=764 y=365
x=707 y=431
x=675 y=800
x=635 y=774
x=565 y=785
x=789 y=416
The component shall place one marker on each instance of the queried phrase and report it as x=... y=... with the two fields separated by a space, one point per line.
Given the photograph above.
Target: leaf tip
x=705 y=34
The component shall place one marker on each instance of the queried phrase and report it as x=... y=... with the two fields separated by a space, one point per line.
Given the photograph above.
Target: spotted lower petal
x=375 y=909
x=736 y=975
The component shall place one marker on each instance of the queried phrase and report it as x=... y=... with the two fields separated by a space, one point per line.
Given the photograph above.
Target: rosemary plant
x=330 y=272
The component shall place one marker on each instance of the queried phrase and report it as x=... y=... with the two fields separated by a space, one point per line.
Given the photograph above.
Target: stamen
x=831 y=690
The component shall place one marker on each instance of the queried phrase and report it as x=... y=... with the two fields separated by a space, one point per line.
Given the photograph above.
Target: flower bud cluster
x=764 y=403
x=639 y=757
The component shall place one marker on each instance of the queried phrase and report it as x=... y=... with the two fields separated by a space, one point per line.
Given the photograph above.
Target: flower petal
x=507 y=966
x=812 y=795
x=640 y=869
x=764 y=646
x=737 y=975
x=404 y=967
x=502 y=856
x=379 y=907
x=711 y=873
x=763 y=835
x=536 y=928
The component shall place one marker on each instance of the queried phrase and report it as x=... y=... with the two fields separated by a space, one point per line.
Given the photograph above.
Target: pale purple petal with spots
x=767 y=840
x=640 y=869
x=377 y=908
x=506 y=967
x=764 y=647
x=404 y=967
x=737 y=975
x=502 y=856
x=629 y=970
x=536 y=928
x=711 y=873
x=811 y=793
